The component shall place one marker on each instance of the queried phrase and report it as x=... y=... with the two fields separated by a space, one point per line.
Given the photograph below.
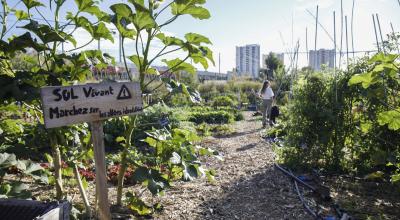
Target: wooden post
x=100 y=163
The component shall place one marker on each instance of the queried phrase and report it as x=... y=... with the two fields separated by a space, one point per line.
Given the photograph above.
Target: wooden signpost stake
x=100 y=164
x=65 y=105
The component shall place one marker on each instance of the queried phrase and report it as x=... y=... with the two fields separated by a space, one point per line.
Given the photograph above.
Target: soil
x=247 y=186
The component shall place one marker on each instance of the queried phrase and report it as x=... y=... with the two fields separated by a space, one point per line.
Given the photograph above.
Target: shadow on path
x=243 y=133
x=247 y=147
x=265 y=195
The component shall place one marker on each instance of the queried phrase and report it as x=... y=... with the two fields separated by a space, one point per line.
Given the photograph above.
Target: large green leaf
x=138 y=61
x=141 y=174
x=7 y=160
x=122 y=10
x=21 y=14
x=46 y=33
x=32 y=3
x=137 y=205
x=190 y=7
x=177 y=65
x=391 y=118
x=142 y=18
x=189 y=172
x=175 y=158
x=25 y=41
x=101 y=31
x=365 y=79
x=197 y=39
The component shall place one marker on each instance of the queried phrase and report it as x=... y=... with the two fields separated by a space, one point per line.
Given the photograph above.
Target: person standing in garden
x=267 y=96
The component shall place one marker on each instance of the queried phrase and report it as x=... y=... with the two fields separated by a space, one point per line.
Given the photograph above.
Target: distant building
x=248 y=60
x=205 y=75
x=320 y=57
x=280 y=56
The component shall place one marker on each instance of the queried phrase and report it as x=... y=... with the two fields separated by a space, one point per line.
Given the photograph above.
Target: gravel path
x=247 y=186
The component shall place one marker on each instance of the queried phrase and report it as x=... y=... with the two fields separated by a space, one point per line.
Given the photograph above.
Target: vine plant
x=140 y=21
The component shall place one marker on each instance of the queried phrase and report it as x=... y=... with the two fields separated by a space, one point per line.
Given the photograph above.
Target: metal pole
x=352 y=32
x=397 y=42
x=347 y=44
x=380 y=32
x=120 y=47
x=307 y=47
x=341 y=33
x=334 y=59
x=334 y=41
x=219 y=63
x=376 y=34
x=316 y=35
x=292 y=32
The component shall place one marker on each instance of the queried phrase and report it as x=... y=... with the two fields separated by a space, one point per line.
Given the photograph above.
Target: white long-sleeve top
x=268 y=94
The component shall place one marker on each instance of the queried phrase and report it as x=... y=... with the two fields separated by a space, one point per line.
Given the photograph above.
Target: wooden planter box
x=12 y=209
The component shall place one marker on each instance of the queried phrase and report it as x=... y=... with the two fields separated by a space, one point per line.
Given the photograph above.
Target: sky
x=268 y=23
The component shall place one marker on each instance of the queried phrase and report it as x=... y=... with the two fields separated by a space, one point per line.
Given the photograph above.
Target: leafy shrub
x=351 y=130
x=223 y=101
x=212 y=117
x=238 y=115
x=222 y=130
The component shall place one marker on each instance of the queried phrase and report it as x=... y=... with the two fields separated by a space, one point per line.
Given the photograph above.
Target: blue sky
x=237 y=22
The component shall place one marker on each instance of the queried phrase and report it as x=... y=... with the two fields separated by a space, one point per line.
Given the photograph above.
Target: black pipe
x=314 y=214
x=295 y=178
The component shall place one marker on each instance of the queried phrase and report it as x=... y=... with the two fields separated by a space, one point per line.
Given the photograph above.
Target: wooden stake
x=100 y=163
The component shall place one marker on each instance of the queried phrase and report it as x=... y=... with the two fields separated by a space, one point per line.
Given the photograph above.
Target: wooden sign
x=65 y=105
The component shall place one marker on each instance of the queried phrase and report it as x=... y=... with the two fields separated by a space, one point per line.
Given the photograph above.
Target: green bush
x=223 y=101
x=348 y=130
x=212 y=117
x=238 y=115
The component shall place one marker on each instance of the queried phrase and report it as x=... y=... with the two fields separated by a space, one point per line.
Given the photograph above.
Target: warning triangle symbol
x=124 y=93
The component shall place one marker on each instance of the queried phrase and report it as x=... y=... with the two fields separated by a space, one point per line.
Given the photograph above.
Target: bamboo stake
x=341 y=33
x=352 y=32
x=347 y=44
x=308 y=61
x=397 y=42
x=380 y=32
x=334 y=44
x=316 y=36
x=376 y=34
